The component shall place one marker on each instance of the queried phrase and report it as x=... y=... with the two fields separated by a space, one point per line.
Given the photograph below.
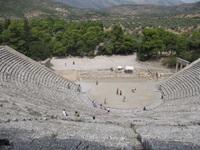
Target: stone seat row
x=33 y=94
x=21 y=68
x=184 y=84
x=180 y=91
x=45 y=94
x=30 y=88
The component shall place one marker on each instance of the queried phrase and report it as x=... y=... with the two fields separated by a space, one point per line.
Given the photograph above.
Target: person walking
x=64 y=113
x=117 y=91
x=105 y=101
x=124 y=99
x=76 y=114
x=108 y=109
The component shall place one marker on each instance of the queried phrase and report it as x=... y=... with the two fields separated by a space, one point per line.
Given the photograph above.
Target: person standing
x=64 y=113
x=101 y=105
x=108 y=109
x=124 y=99
x=105 y=101
x=76 y=114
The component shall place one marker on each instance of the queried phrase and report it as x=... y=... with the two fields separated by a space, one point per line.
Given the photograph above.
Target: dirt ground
x=86 y=71
x=107 y=89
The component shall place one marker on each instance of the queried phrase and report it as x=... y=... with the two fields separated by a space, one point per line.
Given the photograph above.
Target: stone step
x=133 y=138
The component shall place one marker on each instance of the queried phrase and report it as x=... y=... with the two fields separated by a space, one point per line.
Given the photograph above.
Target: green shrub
x=170 y=61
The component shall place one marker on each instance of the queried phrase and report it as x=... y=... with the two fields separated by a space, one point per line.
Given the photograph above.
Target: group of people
x=77 y=114
x=119 y=92
x=133 y=90
x=95 y=104
x=72 y=63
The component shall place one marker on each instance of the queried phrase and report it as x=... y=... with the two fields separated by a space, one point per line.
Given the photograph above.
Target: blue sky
x=190 y=1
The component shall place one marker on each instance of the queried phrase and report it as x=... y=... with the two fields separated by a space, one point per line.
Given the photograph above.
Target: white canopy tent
x=119 y=67
x=129 y=69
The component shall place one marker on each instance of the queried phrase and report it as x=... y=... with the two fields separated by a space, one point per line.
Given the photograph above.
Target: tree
x=117 y=38
x=194 y=42
x=7 y=23
x=13 y=36
x=181 y=45
x=170 y=41
x=129 y=44
x=151 y=44
x=1 y=30
x=38 y=51
x=27 y=33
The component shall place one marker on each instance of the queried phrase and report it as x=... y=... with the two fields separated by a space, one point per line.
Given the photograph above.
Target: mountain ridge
x=128 y=10
x=97 y=4
x=39 y=8
x=43 y=8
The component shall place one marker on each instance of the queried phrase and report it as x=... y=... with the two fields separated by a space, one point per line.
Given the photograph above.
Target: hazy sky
x=190 y=1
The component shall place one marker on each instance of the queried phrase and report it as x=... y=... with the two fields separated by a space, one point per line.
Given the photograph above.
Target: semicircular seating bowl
x=27 y=77
x=27 y=87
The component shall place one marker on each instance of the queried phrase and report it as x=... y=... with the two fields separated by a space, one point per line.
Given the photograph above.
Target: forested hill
x=41 y=8
x=59 y=30
x=144 y=10
x=42 y=38
x=99 y=4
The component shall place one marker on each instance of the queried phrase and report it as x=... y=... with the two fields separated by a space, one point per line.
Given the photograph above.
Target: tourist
x=156 y=75
x=101 y=105
x=68 y=85
x=108 y=109
x=162 y=96
x=79 y=88
x=76 y=114
x=117 y=91
x=64 y=113
x=93 y=117
x=73 y=63
x=133 y=90
x=124 y=99
x=97 y=82
x=96 y=104
x=120 y=93
x=105 y=101
x=93 y=103
x=144 y=108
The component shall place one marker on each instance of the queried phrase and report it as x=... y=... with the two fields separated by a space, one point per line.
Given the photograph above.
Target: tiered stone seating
x=32 y=98
x=177 y=119
x=184 y=84
x=25 y=69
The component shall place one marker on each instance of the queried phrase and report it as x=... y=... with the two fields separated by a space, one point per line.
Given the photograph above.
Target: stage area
x=86 y=71
x=107 y=89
